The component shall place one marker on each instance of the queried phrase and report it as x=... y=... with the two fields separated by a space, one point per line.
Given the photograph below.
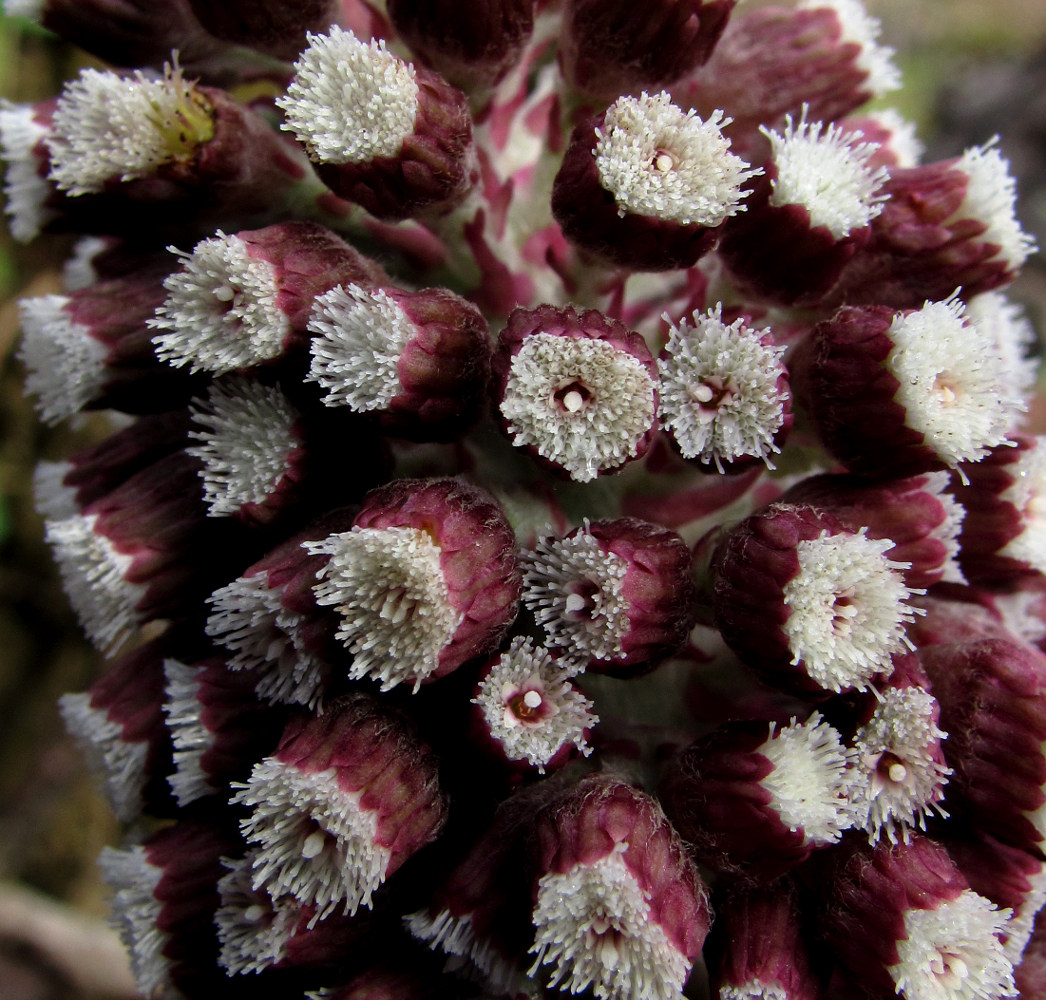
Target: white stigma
x=530 y=708
x=657 y=160
x=343 y=864
x=25 y=191
x=719 y=389
x=861 y=29
x=388 y=588
x=190 y=737
x=595 y=927
x=1028 y=495
x=350 y=101
x=65 y=365
x=246 y=430
x=952 y=382
x=827 y=172
x=953 y=952
x=1012 y=336
x=810 y=782
x=112 y=127
x=221 y=309
x=897 y=780
x=574 y=590
x=617 y=403
x=848 y=609
x=358 y=337
x=991 y=196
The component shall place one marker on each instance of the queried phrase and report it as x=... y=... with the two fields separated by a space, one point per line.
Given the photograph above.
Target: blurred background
x=972 y=70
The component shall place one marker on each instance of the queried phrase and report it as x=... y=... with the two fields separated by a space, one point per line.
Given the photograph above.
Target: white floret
x=25 y=191
x=861 y=29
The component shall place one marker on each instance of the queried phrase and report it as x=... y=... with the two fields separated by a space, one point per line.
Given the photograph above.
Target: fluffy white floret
x=1028 y=496
x=861 y=29
x=1012 y=336
x=24 y=189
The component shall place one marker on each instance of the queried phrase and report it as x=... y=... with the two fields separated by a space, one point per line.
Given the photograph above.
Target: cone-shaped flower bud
x=1004 y=533
x=246 y=299
x=390 y=136
x=992 y=694
x=427 y=578
x=757 y=949
x=754 y=799
x=645 y=185
x=346 y=799
x=916 y=514
x=724 y=391
x=218 y=726
x=23 y=129
x=92 y=349
x=276 y=27
x=471 y=44
x=899 y=393
x=528 y=713
x=619 y=905
x=808 y=604
x=612 y=47
x=577 y=390
x=419 y=360
x=903 y=920
x=806 y=215
x=615 y=596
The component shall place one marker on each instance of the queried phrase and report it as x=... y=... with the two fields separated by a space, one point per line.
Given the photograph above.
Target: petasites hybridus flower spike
x=618 y=904
x=754 y=799
x=345 y=800
x=646 y=185
x=390 y=136
x=578 y=390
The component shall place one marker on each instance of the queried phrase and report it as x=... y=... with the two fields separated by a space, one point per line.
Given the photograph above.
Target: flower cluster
x=567 y=527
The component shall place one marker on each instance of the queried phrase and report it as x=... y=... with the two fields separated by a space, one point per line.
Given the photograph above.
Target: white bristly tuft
x=1022 y=923
x=657 y=160
x=823 y=169
x=51 y=497
x=947 y=532
x=118 y=763
x=848 y=609
x=596 y=929
x=388 y=588
x=247 y=435
x=94 y=576
x=754 y=989
x=112 y=127
x=606 y=426
x=953 y=385
x=313 y=840
x=897 y=781
x=78 y=270
x=135 y=912
x=991 y=197
x=719 y=389
x=861 y=29
x=1012 y=336
x=221 y=310
x=266 y=638
x=350 y=101
x=530 y=707
x=953 y=952
x=1028 y=496
x=65 y=365
x=358 y=337
x=25 y=191
x=190 y=737
x=573 y=589
x=253 y=931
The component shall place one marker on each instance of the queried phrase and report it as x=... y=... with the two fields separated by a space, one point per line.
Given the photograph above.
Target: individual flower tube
x=390 y=136
x=426 y=578
x=646 y=185
x=902 y=918
x=472 y=47
x=754 y=799
x=724 y=391
x=345 y=800
x=577 y=390
x=897 y=393
x=271 y=26
x=418 y=360
x=615 y=596
x=245 y=299
x=806 y=215
x=618 y=904
x=612 y=48
x=809 y=605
